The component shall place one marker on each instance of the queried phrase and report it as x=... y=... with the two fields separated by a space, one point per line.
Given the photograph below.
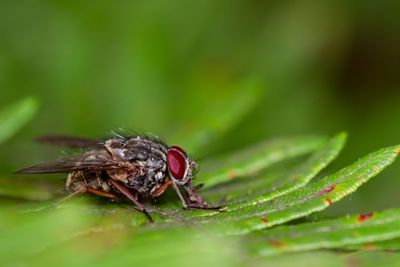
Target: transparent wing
x=93 y=161
x=70 y=141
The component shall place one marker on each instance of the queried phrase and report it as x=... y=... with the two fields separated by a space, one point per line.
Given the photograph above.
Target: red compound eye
x=176 y=162
x=179 y=149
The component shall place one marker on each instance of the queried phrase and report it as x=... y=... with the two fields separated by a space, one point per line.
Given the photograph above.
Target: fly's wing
x=91 y=161
x=69 y=141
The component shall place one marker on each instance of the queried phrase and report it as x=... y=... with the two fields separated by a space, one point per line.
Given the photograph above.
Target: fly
x=135 y=168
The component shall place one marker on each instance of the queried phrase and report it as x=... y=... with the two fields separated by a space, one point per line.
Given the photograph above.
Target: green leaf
x=301 y=175
x=260 y=214
x=391 y=245
x=280 y=199
x=265 y=188
x=252 y=160
x=13 y=117
x=336 y=233
x=304 y=201
x=332 y=259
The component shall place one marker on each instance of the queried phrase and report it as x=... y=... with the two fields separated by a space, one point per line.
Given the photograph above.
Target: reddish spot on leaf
x=328 y=201
x=232 y=175
x=326 y=190
x=369 y=246
x=353 y=262
x=364 y=217
x=397 y=151
x=264 y=219
x=297 y=177
x=277 y=244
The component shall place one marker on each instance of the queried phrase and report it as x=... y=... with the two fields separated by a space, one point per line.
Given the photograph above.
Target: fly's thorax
x=136 y=149
x=147 y=158
x=149 y=155
x=153 y=175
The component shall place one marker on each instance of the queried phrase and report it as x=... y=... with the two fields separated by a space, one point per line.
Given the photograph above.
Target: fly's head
x=181 y=167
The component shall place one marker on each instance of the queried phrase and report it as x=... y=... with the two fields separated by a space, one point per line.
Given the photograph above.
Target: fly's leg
x=198 y=187
x=196 y=201
x=125 y=191
x=181 y=197
x=194 y=197
x=101 y=193
x=69 y=196
x=86 y=190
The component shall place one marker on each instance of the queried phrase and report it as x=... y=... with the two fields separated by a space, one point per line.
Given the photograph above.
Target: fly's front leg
x=194 y=197
x=196 y=201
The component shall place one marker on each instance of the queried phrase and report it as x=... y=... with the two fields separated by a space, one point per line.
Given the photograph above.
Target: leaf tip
x=342 y=136
x=28 y=105
x=31 y=101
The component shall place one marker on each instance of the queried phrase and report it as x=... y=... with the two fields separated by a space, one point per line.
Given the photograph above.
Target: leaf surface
x=336 y=233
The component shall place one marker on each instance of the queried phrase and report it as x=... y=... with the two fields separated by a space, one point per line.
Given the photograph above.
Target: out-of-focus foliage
x=212 y=76
x=13 y=117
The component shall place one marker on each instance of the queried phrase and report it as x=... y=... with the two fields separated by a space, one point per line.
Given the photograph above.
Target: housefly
x=134 y=167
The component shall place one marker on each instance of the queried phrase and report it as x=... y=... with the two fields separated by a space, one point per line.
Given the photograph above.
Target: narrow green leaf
x=242 y=188
x=336 y=233
x=13 y=117
x=331 y=259
x=250 y=161
x=266 y=188
x=306 y=200
x=390 y=245
x=301 y=175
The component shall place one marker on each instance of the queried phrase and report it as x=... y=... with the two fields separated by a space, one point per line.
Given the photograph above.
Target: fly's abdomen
x=80 y=180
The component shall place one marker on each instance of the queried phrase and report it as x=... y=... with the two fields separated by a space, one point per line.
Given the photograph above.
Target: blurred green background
x=213 y=76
